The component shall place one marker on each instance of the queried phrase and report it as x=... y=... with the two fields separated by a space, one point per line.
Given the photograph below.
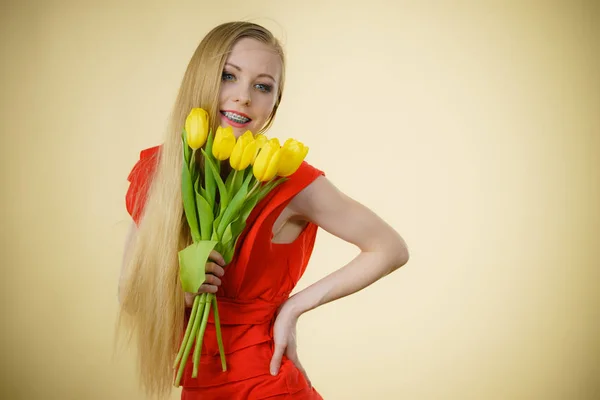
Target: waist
x=244 y=312
x=247 y=334
x=243 y=323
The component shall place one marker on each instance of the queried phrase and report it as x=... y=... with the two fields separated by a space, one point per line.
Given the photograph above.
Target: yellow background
x=471 y=127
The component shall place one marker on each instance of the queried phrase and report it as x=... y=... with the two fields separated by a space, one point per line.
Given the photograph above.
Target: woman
x=237 y=73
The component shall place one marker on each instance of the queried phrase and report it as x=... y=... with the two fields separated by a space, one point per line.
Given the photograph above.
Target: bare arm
x=382 y=252
x=382 y=249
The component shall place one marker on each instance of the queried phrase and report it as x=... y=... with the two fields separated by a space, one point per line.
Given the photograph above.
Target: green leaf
x=228 y=254
x=187 y=151
x=266 y=189
x=189 y=203
x=239 y=179
x=192 y=264
x=229 y=180
x=234 y=207
x=209 y=142
x=224 y=197
x=199 y=190
x=216 y=222
x=227 y=235
x=206 y=217
x=211 y=187
x=203 y=193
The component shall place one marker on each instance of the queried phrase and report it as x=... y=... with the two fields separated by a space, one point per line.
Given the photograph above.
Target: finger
x=206 y=288
x=214 y=269
x=189 y=299
x=212 y=280
x=217 y=257
x=276 y=360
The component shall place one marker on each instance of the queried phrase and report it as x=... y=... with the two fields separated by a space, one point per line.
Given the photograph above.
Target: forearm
x=362 y=271
x=383 y=250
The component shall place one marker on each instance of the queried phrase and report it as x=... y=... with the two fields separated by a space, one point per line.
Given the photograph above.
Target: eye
x=264 y=88
x=226 y=76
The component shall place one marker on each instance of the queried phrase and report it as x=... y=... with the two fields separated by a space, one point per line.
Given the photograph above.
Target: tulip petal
x=292 y=157
x=273 y=166
x=235 y=159
x=196 y=127
x=248 y=156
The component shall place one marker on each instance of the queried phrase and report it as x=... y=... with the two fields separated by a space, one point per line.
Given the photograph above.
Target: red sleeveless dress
x=258 y=280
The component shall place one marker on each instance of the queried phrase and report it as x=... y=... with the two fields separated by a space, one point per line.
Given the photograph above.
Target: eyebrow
x=259 y=75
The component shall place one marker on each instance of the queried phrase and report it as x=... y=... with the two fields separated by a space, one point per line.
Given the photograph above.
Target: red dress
x=258 y=280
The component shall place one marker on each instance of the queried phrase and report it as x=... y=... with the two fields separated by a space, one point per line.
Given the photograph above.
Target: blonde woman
x=237 y=74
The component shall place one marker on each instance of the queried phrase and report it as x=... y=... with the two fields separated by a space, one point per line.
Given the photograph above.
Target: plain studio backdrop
x=471 y=127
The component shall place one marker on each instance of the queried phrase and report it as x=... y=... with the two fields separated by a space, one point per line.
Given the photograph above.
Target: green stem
x=253 y=189
x=218 y=329
x=188 y=330
x=200 y=337
x=186 y=352
x=192 y=161
x=235 y=171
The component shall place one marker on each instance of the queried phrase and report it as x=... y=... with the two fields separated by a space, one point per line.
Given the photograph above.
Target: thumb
x=276 y=360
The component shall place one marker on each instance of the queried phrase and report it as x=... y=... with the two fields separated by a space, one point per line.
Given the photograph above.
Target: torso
x=287 y=227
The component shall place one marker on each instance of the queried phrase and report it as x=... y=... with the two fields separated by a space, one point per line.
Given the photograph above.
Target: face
x=249 y=86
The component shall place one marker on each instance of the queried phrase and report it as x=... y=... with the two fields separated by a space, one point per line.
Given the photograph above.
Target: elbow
x=398 y=254
x=399 y=259
x=403 y=257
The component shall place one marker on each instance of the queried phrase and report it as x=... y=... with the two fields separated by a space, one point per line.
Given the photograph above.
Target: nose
x=242 y=96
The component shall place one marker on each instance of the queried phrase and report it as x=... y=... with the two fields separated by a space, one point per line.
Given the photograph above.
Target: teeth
x=236 y=117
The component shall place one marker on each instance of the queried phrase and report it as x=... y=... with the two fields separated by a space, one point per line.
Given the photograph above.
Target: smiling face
x=249 y=87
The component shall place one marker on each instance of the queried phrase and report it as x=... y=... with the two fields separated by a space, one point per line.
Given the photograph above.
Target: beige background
x=471 y=127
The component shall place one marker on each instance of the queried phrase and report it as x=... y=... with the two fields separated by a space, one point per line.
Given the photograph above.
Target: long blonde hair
x=152 y=307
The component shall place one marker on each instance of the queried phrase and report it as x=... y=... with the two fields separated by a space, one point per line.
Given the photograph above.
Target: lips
x=236 y=118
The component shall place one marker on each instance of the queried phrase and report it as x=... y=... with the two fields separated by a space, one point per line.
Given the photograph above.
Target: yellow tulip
x=243 y=151
x=267 y=161
x=261 y=140
x=293 y=153
x=196 y=128
x=223 y=143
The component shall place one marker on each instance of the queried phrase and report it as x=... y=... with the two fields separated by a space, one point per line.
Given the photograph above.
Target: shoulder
x=306 y=174
x=139 y=179
x=315 y=194
x=145 y=165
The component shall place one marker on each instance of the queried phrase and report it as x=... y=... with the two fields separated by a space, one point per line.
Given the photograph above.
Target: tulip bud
x=261 y=140
x=267 y=161
x=293 y=153
x=223 y=143
x=196 y=128
x=243 y=151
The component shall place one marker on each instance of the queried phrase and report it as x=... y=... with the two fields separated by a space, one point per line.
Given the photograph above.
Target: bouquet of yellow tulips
x=216 y=209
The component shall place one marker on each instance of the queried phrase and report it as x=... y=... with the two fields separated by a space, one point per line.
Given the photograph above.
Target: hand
x=284 y=335
x=214 y=270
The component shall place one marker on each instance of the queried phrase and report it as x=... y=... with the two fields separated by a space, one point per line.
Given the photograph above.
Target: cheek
x=265 y=108
x=222 y=95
